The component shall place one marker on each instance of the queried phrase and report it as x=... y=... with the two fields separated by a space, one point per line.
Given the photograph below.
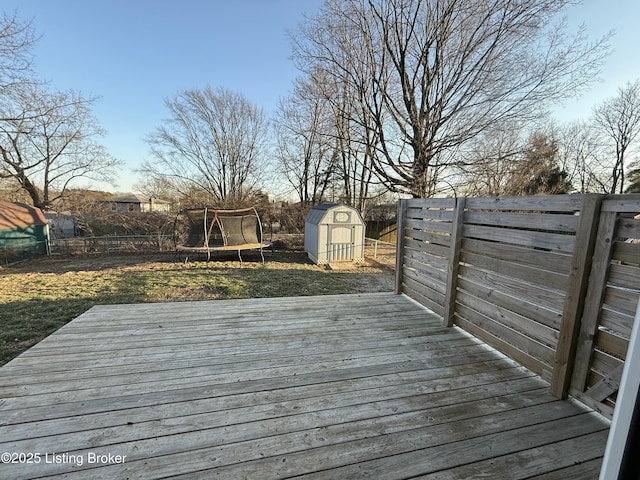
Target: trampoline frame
x=205 y=242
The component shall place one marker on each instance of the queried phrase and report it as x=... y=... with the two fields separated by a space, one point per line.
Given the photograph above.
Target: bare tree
x=17 y=38
x=356 y=144
x=214 y=140
x=618 y=119
x=440 y=72
x=48 y=141
x=489 y=163
x=321 y=150
x=579 y=154
x=158 y=187
x=305 y=151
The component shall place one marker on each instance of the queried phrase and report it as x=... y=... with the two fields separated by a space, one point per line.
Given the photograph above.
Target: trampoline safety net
x=208 y=230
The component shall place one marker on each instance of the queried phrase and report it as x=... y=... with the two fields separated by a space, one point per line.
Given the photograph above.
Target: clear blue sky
x=134 y=53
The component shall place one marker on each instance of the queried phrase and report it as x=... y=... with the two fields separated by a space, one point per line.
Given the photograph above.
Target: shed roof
x=327 y=206
x=320 y=213
x=16 y=215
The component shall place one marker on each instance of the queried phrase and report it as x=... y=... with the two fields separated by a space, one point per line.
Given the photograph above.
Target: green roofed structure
x=23 y=231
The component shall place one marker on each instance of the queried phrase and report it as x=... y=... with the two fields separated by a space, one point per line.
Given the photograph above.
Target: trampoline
x=207 y=230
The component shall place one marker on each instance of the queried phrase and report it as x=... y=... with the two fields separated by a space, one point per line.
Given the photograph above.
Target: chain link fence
x=113 y=244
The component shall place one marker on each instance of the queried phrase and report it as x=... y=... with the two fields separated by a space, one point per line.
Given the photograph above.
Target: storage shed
x=23 y=230
x=334 y=232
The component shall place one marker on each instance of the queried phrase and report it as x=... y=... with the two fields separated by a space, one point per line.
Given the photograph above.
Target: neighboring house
x=136 y=203
x=23 y=230
x=61 y=225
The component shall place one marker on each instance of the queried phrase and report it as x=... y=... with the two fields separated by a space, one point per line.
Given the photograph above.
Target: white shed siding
x=334 y=232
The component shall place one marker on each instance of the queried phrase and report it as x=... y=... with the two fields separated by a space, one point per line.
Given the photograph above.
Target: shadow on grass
x=25 y=323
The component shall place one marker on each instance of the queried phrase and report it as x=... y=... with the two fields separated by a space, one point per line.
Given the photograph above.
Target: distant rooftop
x=133 y=198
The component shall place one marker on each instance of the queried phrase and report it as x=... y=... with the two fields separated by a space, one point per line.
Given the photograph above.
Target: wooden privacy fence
x=551 y=281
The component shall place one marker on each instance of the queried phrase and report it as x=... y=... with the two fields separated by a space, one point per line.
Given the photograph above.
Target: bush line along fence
x=551 y=281
x=113 y=244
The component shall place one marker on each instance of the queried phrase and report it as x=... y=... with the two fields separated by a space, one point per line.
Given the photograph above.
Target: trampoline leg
x=240 y=257
x=262 y=256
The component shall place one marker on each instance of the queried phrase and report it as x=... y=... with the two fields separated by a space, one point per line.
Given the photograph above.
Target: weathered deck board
x=355 y=386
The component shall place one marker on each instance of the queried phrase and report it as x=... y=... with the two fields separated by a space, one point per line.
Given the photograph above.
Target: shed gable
x=19 y=215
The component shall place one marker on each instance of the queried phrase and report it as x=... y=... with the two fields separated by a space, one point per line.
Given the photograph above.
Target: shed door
x=340 y=245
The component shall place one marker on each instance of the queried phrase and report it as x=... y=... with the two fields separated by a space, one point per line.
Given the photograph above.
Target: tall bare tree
x=490 y=161
x=17 y=39
x=440 y=72
x=356 y=144
x=214 y=140
x=322 y=151
x=618 y=119
x=579 y=154
x=48 y=141
x=305 y=139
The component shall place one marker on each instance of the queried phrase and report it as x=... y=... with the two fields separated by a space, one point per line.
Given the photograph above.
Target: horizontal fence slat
x=617 y=322
x=432 y=261
x=530 y=274
x=520 y=300
x=507 y=346
x=429 y=248
x=546 y=203
x=421 y=294
x=625 y=276
x=621 y=299
x=628 y=228
x=439 y=227
x=621 y=203
x=607 y=386
x=604 y=363
x=626 y=252
x=428 y=237
x=434 y=279
x=422 y=214
x=553 y=261
x=544 y=336
x=551 y=241
x=529 y=220
x=431 y=202
x=605 y=410
x=612 y=344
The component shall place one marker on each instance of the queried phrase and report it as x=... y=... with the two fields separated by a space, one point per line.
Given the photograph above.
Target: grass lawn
x=39 y=296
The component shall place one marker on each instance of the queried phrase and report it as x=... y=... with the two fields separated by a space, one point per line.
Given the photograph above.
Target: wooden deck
x=333 y=387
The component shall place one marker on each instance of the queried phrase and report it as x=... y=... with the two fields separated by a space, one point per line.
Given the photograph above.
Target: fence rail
x=551 y=281
x=113 y=243
x=21 y=250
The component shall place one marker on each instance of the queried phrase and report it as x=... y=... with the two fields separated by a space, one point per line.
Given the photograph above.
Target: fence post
x=576 y=294
x=400 y=223
x=595 y=296
x=454 y=262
